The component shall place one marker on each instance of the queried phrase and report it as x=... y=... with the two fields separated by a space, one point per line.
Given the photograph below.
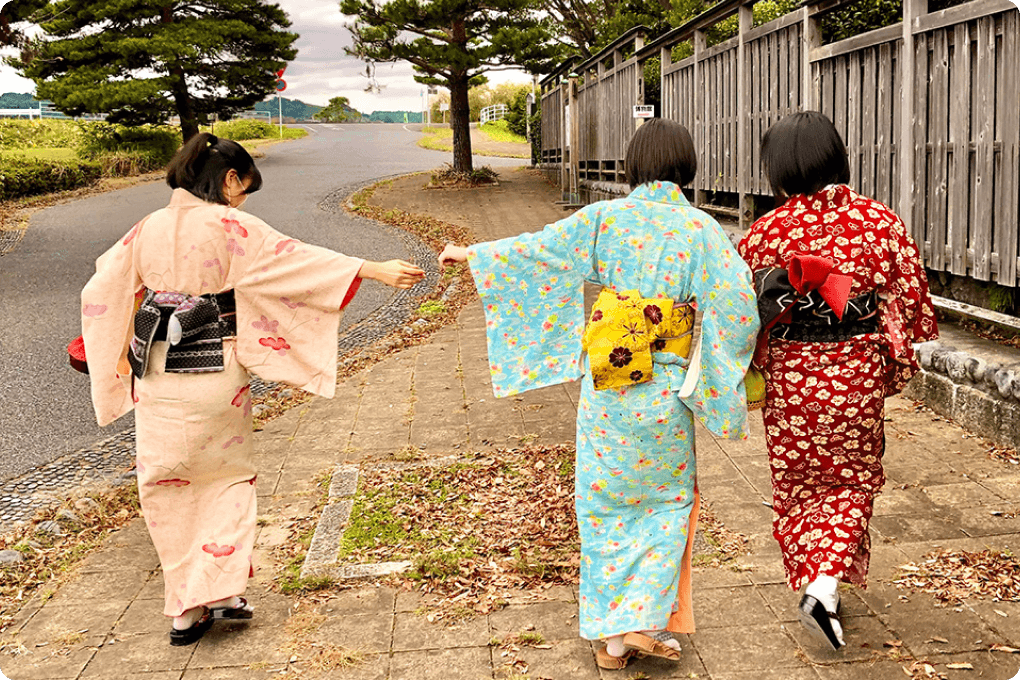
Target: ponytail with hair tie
x=196 y=168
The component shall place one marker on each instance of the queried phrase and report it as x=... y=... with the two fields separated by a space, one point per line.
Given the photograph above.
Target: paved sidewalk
x=106 y=621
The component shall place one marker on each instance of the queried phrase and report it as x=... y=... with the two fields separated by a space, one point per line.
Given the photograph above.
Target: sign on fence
x=644 y=111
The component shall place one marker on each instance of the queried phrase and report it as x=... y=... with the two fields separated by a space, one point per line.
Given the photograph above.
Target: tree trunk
x=460 y=122
x=182 y=100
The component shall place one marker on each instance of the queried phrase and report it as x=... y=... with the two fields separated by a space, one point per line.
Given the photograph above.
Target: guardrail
x=494 y=112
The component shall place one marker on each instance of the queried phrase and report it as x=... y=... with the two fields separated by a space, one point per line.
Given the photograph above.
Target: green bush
x=140 y=148
x=27 y=177
x=242 y=129
x=38 y=134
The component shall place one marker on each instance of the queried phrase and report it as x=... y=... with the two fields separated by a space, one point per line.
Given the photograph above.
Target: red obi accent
x=811 y=272
x=351 y=292
x=76 y=355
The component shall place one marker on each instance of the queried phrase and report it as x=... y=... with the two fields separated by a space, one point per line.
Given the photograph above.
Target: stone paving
x=105 y=621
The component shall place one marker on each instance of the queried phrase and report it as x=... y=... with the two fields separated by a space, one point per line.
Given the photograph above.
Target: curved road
x=46 y=410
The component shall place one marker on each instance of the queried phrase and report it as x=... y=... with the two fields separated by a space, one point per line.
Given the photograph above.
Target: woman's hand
x=396 y=273
x=452 y=255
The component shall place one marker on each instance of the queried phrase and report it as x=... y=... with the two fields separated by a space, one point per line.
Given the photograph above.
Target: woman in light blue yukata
x=657 y=259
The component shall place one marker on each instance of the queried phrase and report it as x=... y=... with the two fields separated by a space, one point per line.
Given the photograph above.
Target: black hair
x=803 y=153
x=661 y=150
x=201 y=165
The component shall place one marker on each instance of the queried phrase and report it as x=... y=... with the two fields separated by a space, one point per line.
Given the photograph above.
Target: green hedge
x=21 y=177
x=39 y=134
x=240 y=130
x=123 y=150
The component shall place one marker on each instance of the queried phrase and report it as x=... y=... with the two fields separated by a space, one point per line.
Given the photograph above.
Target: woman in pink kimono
x=179 y=311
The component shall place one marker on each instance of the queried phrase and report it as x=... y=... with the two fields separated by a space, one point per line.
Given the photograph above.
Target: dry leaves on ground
x=952 y=576
x=728 y=543
x=56 y=539
x=477 y=531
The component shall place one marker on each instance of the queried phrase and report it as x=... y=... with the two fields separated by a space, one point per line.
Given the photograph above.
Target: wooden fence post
x=565 y=154
x=908 y=116
x=812 y=38
x=698 y=39
x=744 y=154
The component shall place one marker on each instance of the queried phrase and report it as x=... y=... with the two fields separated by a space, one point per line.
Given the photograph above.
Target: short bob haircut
x=661 y=151
x=201 y=166
x=803 y=153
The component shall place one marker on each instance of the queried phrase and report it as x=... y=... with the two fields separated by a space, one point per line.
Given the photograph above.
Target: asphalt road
x=46 y=408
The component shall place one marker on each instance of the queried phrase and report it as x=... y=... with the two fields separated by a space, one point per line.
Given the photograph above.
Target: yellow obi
x=625 y=328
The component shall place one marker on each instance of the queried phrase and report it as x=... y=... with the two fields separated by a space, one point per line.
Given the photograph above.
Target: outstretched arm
x=396 y=273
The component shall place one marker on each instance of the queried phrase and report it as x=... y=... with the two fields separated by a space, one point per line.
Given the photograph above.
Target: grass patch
x=499 y=131
x=432 y=308
x=436 y=139
x=469 y=525
x=42 y=154
x=448 y=177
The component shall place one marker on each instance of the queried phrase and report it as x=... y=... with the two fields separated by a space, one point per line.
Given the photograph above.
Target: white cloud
x=322 y=69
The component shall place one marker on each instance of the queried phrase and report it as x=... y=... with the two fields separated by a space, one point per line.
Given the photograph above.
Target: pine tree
x=338 y=110
x=451 y=43
x=141 y=61
x=15 y=15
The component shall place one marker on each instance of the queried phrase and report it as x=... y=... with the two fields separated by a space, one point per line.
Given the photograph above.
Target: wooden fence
x=929 y=109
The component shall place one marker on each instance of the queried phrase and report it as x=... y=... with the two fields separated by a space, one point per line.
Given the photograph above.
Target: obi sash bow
x=194 y=326
x=810 y=301
x=623 y=331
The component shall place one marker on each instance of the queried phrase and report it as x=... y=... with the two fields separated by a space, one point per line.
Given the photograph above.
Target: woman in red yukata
x=842 y=297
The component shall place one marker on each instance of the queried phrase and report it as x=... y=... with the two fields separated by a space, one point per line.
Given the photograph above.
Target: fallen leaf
x=1004 y=648
x=959 y=667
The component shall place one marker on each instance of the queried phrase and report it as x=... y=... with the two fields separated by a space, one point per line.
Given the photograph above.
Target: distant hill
x=14 y=100
x=394 y=117
x=292 y=108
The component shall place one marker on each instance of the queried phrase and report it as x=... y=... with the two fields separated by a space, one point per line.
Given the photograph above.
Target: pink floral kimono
x=196 y=475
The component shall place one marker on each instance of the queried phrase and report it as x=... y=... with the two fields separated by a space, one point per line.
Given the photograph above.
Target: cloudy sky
x=322 y=69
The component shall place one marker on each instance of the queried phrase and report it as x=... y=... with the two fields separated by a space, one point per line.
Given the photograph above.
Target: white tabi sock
x=665 y=637
x=188 y=618
x=614 y=645
x=824 y=589
x=226 y=603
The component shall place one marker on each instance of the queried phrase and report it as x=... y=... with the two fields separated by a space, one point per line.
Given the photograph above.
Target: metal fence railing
x=494 y=112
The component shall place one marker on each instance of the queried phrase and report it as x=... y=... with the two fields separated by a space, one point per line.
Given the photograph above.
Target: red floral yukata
x=824 y=412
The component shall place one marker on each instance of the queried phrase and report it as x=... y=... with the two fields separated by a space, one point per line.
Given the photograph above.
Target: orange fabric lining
x=682 y=620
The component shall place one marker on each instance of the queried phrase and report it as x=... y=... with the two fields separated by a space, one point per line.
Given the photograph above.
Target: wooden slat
x=958 y=200
x=773 y=79
x=783 y=105
x=760 y=182
x=885 y=113
x=1008 y=108
x=774 y=26
x=983 y=121
x=716 y=50
x=937 y=181
x=853 y=119
x=828 y=77
x=869 y=126
x=857 y=43
x=918 y=101
x=961 y=14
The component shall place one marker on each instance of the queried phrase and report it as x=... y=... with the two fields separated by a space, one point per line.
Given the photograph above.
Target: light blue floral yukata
x=635 y=473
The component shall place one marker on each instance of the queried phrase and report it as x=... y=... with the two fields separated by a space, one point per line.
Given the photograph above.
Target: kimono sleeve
x=907 y=312
x=721 y=284
x=289 y=304
x=107 y=310
x=532 y=289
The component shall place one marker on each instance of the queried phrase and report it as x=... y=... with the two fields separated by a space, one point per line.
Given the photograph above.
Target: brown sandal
x=603 y=659
x=649 y=646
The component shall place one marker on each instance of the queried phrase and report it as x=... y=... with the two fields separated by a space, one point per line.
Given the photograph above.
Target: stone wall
x=981 y=396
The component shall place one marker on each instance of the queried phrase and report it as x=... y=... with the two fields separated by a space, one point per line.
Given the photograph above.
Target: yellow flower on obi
x=625 y=328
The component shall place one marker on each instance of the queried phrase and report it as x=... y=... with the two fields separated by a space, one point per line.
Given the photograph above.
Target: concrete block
x=940 y=394
x=344 y=482
x=976 y=411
